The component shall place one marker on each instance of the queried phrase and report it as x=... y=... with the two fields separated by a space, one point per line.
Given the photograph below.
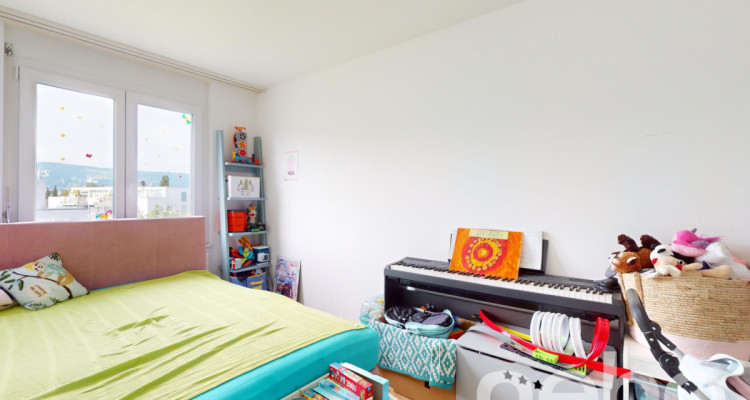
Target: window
x=164 y=161
x=101 y=152
x=74 y=171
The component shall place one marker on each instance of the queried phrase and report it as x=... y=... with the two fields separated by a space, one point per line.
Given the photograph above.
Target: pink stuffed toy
x=689 y=244
x=710 y=251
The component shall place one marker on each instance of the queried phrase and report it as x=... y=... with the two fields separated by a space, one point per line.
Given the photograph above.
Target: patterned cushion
x=41 y=283
x=6 y=301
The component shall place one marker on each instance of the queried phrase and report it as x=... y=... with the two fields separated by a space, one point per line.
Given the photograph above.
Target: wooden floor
x=403 y=387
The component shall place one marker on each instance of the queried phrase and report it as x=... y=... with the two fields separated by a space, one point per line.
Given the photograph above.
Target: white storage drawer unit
x=487 y=372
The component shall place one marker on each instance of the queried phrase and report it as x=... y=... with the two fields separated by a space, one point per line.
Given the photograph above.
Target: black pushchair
x=671 y=363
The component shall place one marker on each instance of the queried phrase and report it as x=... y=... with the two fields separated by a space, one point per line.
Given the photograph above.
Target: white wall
x=584 y=119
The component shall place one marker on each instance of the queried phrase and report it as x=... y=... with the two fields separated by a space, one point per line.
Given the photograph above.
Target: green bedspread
x=168 y=338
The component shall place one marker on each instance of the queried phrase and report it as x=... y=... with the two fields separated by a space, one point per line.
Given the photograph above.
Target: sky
x=78 y=128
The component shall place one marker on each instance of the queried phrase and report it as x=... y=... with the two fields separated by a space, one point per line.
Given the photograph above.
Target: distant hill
x=67 y=175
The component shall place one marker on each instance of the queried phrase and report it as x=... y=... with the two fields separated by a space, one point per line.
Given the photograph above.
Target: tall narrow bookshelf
x=229 y=203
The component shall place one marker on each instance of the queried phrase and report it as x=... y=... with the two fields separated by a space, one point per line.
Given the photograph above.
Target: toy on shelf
x=241 y=153
x=253 y=225
x=243 y=256
x=252 y=215
x=246 y=249
x=711 y=251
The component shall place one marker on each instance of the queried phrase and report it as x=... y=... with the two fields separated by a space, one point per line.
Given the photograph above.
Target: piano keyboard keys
x=527 y=285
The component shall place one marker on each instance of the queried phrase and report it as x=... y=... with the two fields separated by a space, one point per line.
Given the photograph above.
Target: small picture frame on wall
x=291 y=169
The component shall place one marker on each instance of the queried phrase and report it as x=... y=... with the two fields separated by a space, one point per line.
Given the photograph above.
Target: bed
x=156 y=324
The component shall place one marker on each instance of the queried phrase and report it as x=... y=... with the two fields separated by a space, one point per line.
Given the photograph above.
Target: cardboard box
x=414 y=389
x=243 y=186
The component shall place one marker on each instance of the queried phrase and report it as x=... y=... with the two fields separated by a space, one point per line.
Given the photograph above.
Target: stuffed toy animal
x=633 y=259
x=665 y=263
x=648 y=243
x=624 y=262
x=689 y=244
x=717 y=253
x=709 y=250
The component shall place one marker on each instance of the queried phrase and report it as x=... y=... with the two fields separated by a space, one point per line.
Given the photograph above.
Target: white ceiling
x=260 y=42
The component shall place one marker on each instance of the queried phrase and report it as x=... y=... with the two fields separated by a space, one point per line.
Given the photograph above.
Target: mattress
x=280 y=377
x=177 y=337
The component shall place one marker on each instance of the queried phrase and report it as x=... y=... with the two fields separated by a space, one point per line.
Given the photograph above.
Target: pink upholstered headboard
x=108 y=253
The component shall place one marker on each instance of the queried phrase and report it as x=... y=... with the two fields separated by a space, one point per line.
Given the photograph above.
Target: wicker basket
x=700 y=308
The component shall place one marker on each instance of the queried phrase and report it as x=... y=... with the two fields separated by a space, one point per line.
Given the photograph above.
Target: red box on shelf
x=237 y=221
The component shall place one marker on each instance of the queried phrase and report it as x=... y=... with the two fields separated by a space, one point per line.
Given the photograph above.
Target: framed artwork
x=487 y=252
x=291 y=170
x=286 y=277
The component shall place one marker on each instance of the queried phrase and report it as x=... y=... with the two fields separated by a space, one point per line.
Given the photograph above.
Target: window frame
x=133 y=99
x=28 y=82
x=124 y=146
